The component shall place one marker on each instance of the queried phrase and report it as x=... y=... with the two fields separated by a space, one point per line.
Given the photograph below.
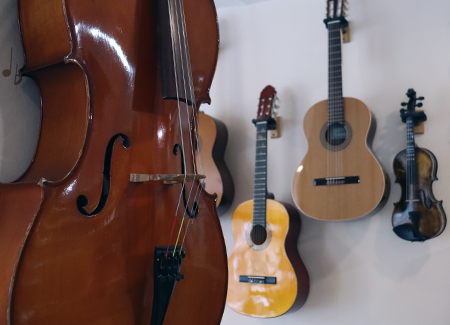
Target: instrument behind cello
x=85 y=254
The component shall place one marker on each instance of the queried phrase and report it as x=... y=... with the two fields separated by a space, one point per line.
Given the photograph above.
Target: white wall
x=19 y=104
x=361 y=273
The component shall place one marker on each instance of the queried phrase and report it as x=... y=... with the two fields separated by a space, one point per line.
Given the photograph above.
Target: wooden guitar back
x=345 y=201
x=276 y=260
x=213 y=138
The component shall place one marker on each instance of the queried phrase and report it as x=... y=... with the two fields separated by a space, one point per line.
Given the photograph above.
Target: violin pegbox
x=266 y=107
x=410 y=111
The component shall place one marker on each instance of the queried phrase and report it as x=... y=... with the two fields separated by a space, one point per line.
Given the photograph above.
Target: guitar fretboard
x=335 y=99
x=260 y=184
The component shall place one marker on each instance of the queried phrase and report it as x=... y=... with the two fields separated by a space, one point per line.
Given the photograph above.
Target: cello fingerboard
x=174 y=61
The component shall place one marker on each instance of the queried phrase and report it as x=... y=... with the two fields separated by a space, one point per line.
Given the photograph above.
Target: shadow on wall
x=19 y=100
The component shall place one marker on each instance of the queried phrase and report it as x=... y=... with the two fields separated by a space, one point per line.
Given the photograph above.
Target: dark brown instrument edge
x=218 y=153
x=291 y=243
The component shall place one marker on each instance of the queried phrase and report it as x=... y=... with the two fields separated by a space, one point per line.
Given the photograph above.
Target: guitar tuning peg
x=419 y=105
x=404 y=104
x=276 y=106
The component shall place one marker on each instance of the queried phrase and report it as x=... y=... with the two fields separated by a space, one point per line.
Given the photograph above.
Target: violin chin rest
x=407 y=232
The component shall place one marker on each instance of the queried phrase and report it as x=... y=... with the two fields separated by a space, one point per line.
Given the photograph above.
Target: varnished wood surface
x=16 y=220
x=262 y=300
x=76 y=269
x=63 y=88
x=432 y=216
x=340 y=202
x=213 y=140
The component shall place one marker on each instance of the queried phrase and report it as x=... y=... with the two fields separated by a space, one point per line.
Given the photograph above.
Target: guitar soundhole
x=258 y=235
x=335 y=136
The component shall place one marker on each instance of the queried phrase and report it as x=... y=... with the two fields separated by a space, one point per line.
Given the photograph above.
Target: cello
x=113 y=171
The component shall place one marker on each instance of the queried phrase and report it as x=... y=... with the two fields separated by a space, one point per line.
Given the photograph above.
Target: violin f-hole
x=82 y=200
x=194 y=212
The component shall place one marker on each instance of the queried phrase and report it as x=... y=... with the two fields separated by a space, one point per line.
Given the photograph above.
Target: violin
x=418 y=216
x=111 y=212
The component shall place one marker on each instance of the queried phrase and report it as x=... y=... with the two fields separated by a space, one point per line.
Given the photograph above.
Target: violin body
x=84 y=249
x=432 y=219
x=279 y=259
x=213 y=136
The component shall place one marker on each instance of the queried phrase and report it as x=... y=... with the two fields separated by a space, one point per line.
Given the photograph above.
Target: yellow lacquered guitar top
x=267 y=260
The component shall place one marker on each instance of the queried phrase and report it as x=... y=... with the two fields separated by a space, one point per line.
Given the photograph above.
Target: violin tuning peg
x=419 y=105
x=404 y=104
x=421 y=98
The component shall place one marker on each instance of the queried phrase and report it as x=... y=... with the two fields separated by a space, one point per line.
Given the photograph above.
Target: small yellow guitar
x=266 y=276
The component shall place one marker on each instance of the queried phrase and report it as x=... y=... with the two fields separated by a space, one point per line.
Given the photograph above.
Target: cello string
x=186 y=60
x=194 y=114
x=170 y=7
x=176 y=18
x=195 y=126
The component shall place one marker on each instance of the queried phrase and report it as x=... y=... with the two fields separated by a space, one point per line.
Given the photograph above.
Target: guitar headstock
x=410 y=111
x=336 y=11
x=266 y=107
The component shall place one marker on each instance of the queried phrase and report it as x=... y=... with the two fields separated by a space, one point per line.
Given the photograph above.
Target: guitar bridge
x=336 y=180
x=258 y=279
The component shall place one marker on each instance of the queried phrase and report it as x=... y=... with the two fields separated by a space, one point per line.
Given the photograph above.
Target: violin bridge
x=165 y=178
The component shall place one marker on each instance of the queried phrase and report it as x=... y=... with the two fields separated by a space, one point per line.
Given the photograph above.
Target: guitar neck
x=411 y=166
x=335 y=98
x=260 y=185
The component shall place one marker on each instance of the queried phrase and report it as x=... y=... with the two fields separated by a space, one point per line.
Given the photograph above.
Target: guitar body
x=214 y=137
x=278 y=259
x=432 y=219
x=353 y=157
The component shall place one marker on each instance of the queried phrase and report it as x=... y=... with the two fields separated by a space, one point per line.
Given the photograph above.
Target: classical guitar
x=266 y=275
x=418 y=216
x=212 y=140
x=339 y=177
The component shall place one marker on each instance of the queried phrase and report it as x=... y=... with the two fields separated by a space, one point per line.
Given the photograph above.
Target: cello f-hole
x=192 y=213
x=82 y=200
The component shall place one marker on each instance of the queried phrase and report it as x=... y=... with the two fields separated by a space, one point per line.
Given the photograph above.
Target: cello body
x=84 y=249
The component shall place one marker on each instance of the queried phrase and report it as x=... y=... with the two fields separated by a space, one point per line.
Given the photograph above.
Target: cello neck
x=260 y=183
x=174 y=61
